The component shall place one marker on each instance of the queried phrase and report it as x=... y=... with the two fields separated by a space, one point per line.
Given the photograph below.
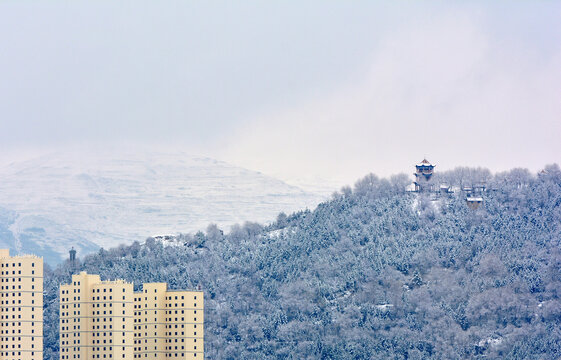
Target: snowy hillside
x=367 y=275
x=51 y=203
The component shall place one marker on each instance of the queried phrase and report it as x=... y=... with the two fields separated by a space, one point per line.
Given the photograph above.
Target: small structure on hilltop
x=479 y=188
x=474 y=195
x=72 y=255
x=473 y=202
x=424 y=183
x=423 y=175
x=72 y=261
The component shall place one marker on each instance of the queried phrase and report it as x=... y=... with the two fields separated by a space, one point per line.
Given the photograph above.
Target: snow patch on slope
x=102 y=200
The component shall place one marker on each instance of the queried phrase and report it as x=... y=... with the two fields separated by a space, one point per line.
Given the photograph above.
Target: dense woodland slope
x=374 y=273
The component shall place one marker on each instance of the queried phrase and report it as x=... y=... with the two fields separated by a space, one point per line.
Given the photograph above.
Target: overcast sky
x=333 y=89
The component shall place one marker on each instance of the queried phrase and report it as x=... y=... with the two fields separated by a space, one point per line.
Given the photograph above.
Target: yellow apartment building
x=96 y=318
x=21 y=307
x=107 y=320
x=168 y=323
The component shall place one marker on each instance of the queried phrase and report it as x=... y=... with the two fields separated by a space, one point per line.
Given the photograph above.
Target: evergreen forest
x=375 y=272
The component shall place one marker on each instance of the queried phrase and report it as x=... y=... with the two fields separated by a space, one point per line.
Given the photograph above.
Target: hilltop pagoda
x=423 y=175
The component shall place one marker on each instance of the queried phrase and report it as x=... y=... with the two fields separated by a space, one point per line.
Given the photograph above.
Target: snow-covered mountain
x=51 y=203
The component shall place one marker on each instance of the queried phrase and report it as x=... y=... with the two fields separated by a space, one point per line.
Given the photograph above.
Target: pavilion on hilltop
x=423 y=174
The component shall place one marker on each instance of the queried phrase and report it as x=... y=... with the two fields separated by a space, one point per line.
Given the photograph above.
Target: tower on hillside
x=423 y=174
x=72 y=261
x=72 y=255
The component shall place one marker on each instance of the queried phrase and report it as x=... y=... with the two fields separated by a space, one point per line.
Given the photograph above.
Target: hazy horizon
x=294 y=90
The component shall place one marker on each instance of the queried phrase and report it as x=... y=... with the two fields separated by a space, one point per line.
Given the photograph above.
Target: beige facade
x=168 y=324
x=96 y=318
x=21 y=307
x=106 y=320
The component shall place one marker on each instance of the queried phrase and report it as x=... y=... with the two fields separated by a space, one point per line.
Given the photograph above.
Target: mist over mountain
x=52 y=203
x=374 y=273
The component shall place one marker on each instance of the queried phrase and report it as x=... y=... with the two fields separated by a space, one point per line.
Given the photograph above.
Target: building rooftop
x=22 y=256
x=111 y=282
x=425 y=162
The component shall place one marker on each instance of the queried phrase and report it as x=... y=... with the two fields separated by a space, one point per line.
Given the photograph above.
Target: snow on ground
x=102 y=200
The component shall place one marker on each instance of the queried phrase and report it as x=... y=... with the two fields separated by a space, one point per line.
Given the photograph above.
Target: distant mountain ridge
x=51 y=203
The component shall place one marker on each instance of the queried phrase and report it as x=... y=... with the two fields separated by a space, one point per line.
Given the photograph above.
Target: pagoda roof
x=425 y=162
